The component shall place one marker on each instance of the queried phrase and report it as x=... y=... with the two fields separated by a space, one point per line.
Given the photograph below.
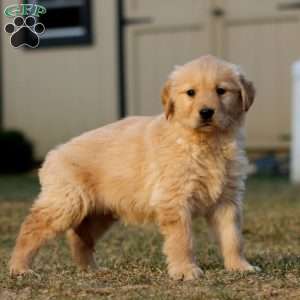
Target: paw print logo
x=25 y=32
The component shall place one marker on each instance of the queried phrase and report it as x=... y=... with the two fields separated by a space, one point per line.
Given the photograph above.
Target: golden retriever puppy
x=163 y=169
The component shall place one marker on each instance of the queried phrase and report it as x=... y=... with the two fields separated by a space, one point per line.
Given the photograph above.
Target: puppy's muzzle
x=206 y=114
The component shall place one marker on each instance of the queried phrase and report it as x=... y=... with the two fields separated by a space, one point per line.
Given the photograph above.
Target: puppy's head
x=207 y=94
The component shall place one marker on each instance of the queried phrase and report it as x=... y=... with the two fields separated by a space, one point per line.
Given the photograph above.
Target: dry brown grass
x=134 y=268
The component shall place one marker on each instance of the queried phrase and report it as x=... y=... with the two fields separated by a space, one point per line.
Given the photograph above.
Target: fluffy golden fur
x=162 y=169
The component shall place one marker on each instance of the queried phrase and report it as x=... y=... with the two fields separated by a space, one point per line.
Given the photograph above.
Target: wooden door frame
x=122 y=23
x=121 y=53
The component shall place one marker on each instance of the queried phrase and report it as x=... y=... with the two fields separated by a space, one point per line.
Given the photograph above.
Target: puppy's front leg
x=175 y=226
x=226 y=223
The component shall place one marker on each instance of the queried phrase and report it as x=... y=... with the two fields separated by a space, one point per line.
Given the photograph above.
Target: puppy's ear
x=247 y=92
x=167 y=102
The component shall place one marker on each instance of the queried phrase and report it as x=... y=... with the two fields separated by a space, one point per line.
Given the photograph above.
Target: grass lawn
x=134 y=268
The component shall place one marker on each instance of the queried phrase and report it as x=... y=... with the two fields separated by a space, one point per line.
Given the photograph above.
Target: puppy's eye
x=220 y=91
x=191 y=93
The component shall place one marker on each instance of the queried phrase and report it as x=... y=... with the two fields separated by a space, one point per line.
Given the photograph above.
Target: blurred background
x=99 y=61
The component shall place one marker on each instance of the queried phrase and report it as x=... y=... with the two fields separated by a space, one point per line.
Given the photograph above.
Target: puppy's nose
x=206 y=113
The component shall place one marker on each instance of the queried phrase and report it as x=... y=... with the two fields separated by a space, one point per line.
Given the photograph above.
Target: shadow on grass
x=19 y=187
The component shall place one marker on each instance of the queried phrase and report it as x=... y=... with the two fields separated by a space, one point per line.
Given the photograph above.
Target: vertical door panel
x=264 y=39
x=178 y=32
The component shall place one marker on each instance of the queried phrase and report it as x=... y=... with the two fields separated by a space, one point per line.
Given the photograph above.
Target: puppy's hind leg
x=50 y=215
x=82 y=238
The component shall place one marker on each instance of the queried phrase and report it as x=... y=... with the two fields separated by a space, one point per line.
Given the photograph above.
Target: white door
x=173 y=32
x=264 y=37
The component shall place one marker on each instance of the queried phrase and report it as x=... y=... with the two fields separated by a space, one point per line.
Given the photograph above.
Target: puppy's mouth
x=206 y=124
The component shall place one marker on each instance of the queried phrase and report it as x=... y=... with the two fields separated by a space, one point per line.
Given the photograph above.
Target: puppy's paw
x=15 y=272
x=185 y=272
x=242 y=266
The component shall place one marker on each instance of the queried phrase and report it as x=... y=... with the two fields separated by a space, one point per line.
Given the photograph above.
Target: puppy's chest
x=207 y=173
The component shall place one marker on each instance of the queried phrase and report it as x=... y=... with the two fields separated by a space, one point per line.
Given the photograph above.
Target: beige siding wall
x=57 y=93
